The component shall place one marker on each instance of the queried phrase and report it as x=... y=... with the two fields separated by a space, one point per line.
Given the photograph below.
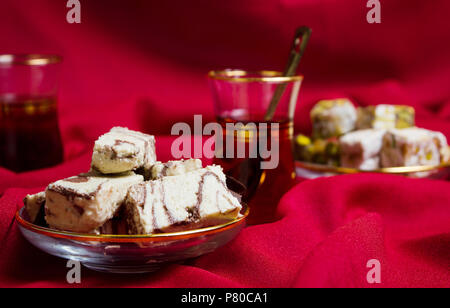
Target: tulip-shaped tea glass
x=266 y=166
x=29 y=130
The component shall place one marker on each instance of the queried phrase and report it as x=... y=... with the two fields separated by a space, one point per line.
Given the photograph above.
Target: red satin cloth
x=143 y=64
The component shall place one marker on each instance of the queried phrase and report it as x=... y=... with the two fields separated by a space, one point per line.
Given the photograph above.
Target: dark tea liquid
x=29 y=133
x=264 y=187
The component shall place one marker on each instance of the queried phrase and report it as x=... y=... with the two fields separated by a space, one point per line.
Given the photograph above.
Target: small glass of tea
x=29 y=131
x=241 y=101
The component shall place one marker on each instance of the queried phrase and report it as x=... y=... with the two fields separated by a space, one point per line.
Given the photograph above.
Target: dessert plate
x=129 y=253
x=312 y=171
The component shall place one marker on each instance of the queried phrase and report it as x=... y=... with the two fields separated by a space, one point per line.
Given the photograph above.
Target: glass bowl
x=129 y=253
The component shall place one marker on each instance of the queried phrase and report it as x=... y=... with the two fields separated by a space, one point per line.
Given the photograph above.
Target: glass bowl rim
x=29 y=59
x=130 y=238
x=238 y=75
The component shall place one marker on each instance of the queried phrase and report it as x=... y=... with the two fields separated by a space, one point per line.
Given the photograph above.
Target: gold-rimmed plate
x=311 y=171
x=129 y=253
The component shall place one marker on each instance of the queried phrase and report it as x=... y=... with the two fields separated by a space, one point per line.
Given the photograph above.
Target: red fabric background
x=142 y=64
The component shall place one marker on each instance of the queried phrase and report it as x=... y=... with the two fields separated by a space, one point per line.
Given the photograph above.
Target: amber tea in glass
x=243 y=97
x=29 y=131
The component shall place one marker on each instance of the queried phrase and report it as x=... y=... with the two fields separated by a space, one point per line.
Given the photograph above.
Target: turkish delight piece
x=385 y=117
x=412 y=147
x=123 y=150
x=361 y=149
x=192 y=200
x=115 y=226
x=319 y=151
x=86 y=202
x=34 y=205
x=333 y=118
x=174 y=167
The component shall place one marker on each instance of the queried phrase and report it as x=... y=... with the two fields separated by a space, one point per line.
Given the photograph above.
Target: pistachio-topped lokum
x=319 y=151
x=361 y=149
x=333 y=118
x=385 y=117
x=413 y=147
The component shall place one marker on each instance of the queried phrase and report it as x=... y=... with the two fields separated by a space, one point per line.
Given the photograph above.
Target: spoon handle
x=300 y=42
